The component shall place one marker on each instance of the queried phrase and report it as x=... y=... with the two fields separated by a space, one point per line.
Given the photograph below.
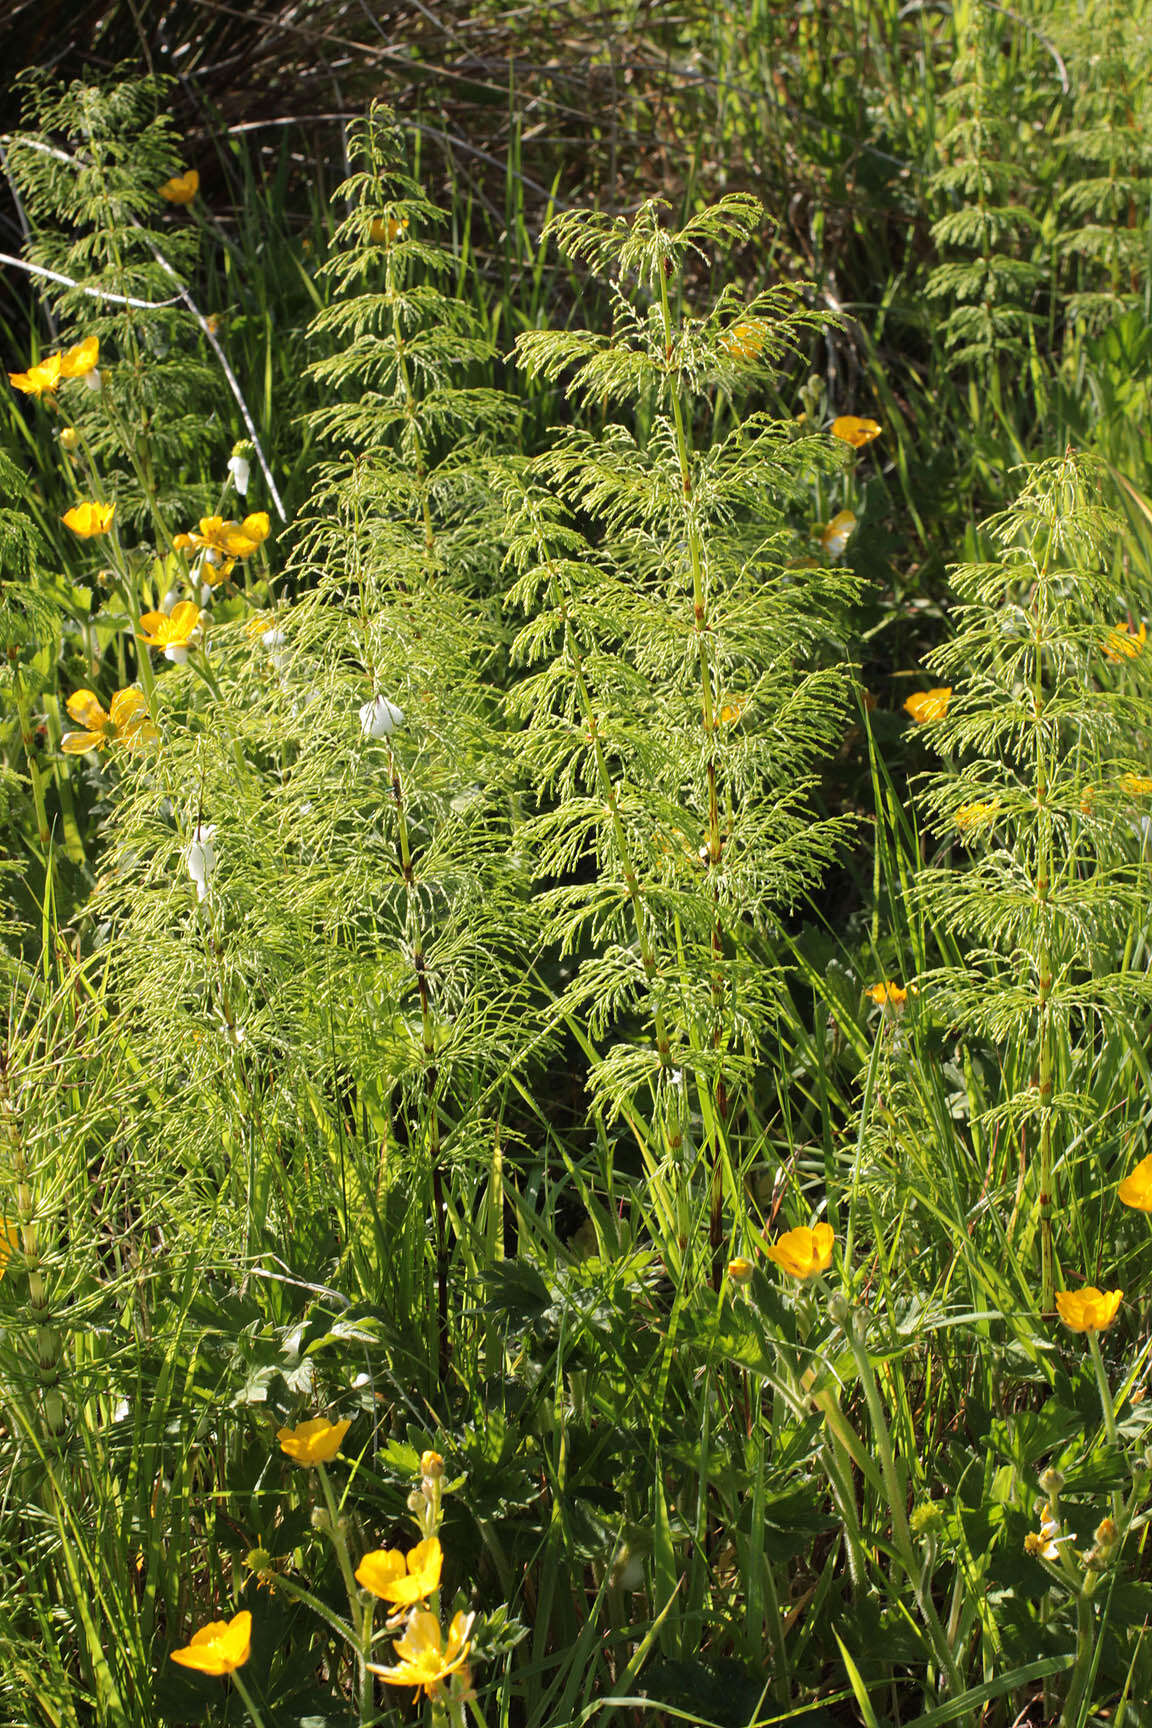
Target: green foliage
x=474 y=961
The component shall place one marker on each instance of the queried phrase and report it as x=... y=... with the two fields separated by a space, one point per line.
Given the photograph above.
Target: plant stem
x=359 y=1614
x=249 y=1701
x=902 y=1535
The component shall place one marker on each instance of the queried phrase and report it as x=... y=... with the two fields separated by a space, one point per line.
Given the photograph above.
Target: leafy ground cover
x=576 y=800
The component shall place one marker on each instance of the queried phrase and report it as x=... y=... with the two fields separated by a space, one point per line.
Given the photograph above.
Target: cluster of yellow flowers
x=223 y=541
x=425 y=1655
x=44 y=378
x=177 y=627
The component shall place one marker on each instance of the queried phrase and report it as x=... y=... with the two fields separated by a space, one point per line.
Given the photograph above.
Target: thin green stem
x=249 y=1701
x=896 y=1491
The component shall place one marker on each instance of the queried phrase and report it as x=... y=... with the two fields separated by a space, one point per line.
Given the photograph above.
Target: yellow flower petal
x=81 y=359
x=976 y=815
x=79 y=743
x=1124 y=643
x=44 y=376
x=425 y=1657
x=745 y=340
x=182 y=188
x=1088 y=1309
x=220 y=1647
x=803 y=1253
x=1136 y=785
x=84 y=706
x=1136 y=1188
x=88 y=519
x=928 y=705
x=887 y=995
x=399 y=1578
x=314 y=1442
x=176 y=631
x=850 y=429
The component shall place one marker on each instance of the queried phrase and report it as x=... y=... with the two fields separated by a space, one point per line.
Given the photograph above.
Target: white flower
x=92 y=379
x=380 y=718
x=239 y=468
x=169 y=601
x=274 y=641
x=177 y=654
x=200 y=857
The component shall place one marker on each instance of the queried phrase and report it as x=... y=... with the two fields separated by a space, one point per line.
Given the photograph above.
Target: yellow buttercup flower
x=220 y=1647
x=182 y=188
x=232 y=539
x=803 y=1253
x=1136 y=1188
x=89 y=519
x=173 y=632
x=426 y=1658
x=731 y=709
x=745 y=340
x=403 y=1579
x=44 y=376
x=431 y=1465
x=887 y=995
x=125 y=722
x=740 y=1270
x=314 y=1442
x=928 y=705
x=1136 y=785
x=976 y=815
x=1124 y=643
x=850 y=429
x=1088 y=1309
x=81 y=360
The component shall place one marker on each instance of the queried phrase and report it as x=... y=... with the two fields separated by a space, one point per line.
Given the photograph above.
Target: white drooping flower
x=200 y=857
x=93 y=380
x=380 y=718
x=240 y=468
x=274 y=640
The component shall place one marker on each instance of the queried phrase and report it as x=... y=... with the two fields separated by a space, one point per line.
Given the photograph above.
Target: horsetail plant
x=1046 y=791
x=681 y=680
x=334 y=776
